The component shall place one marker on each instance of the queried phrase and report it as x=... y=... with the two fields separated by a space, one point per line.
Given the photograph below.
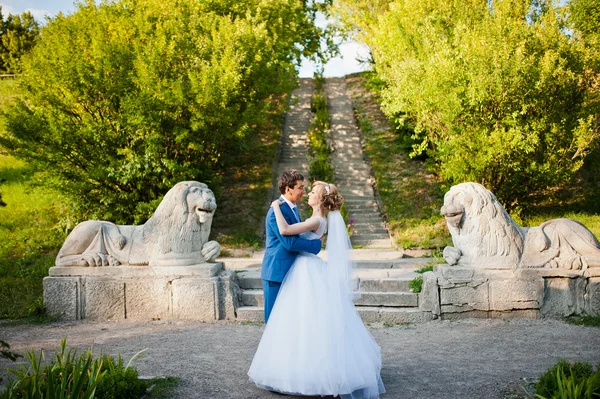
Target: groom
x=282 y=250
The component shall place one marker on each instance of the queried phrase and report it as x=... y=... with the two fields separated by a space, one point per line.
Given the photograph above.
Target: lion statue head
x=483 y=234
x=181 y=223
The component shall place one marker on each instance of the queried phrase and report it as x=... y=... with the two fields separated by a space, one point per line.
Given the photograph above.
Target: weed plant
x=566 y=381
x=320 y=167
x=69 y=376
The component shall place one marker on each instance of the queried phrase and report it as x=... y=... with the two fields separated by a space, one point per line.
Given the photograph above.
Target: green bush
x=69 y=375
x=121 y=100
x=567 y=381
x=499 y=92
x=120 y=382
x=416 y=284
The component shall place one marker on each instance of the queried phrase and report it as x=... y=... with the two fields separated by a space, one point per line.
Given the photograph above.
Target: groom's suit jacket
x=282 y=250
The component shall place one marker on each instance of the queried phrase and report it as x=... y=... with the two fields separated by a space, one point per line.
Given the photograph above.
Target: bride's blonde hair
x=329 y=196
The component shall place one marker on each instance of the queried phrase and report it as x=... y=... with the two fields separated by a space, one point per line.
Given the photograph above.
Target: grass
x=411 y=195
x=161 y=387
x=589 y=321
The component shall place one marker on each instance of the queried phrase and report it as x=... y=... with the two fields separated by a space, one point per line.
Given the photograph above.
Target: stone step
x=399 y=284
x=253 y=297
x=388 y=299
x=366 y=232
x=252 y=314
x=371 y=243
x=371 y=314
x=368 y=314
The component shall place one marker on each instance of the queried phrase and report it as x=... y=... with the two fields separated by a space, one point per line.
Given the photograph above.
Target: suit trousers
x=270 y=291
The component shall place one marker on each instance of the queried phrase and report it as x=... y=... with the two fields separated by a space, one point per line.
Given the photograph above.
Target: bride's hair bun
x=330 y=197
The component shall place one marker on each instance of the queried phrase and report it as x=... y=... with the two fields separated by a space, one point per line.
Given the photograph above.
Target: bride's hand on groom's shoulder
x=276 y=203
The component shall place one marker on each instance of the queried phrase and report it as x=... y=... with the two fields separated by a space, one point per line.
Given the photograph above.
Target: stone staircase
x=293 y=144
x=352 y=172
x=384 y=273
x=385 y=294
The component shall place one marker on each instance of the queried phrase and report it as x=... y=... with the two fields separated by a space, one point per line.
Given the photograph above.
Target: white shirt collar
x=292 y=206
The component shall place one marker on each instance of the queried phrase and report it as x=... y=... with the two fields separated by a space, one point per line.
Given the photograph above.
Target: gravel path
x=471 y=358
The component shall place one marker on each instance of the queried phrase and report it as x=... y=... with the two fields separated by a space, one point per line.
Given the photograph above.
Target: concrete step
x=371 y=243
x=358 y=236
x=253 y=297
x=252 y=314
x=391 y=299
x=368 y=314
x=399 y=284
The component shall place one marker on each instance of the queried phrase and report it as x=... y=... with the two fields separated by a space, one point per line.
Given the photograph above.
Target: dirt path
x=440 y=359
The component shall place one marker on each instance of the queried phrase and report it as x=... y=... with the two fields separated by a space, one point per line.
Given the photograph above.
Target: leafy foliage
x=416 y=284
x=122 y=100
x=120 y=381
x=496 y=92
x=17 y=37
x=564 y=380
x=69 y=375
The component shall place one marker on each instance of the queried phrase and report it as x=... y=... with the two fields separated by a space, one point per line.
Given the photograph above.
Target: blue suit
x=280 y=254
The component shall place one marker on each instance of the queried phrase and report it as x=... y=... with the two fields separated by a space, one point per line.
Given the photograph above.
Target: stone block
x=195 y=298
x=368 y=314
x=384 y=285
x=62 y=297
x=396 y=299
x=516 y=294
x=229 y=294
x=429 y=298
x=563 y=296
x=147 y=299
x=475 y=297
x=402 y=316
x=592 y=296
x=104 y=299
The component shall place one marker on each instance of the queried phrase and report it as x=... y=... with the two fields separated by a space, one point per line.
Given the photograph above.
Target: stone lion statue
x=176 y=235
x=486 y=237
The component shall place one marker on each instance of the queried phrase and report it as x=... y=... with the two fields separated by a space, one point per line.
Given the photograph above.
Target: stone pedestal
x=201 y=292
x=529 y=293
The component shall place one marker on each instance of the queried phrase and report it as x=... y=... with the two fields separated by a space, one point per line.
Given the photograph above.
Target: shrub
x=416 y=284
x=497 y=92
x=69 y=375
x=120 y=382
x=121 y=100
x=563 y=379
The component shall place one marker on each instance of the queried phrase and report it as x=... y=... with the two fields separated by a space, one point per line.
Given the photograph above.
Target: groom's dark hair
x=289 y=179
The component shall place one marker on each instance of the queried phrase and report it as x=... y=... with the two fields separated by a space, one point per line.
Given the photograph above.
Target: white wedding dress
x=315 y=342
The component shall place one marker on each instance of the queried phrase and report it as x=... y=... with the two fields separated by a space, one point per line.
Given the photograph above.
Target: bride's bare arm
x=292 y=229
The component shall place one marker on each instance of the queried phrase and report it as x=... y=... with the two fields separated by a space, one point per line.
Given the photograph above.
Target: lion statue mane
x=175 y=235
x=486 y=237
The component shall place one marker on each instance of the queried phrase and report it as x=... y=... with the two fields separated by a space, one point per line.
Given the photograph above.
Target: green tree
x=124 y=99
x=497 y=92
x=17 y=37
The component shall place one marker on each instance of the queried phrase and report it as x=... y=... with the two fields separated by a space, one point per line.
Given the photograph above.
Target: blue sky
x=339 y=66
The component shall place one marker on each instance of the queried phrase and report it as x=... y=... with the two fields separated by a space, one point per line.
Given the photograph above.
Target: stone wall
x=529 y=293
x=203 y=292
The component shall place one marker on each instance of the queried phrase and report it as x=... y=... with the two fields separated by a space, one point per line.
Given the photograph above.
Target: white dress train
x=315 y=342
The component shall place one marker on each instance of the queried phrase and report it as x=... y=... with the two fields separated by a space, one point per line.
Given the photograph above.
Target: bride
x=315 y=342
